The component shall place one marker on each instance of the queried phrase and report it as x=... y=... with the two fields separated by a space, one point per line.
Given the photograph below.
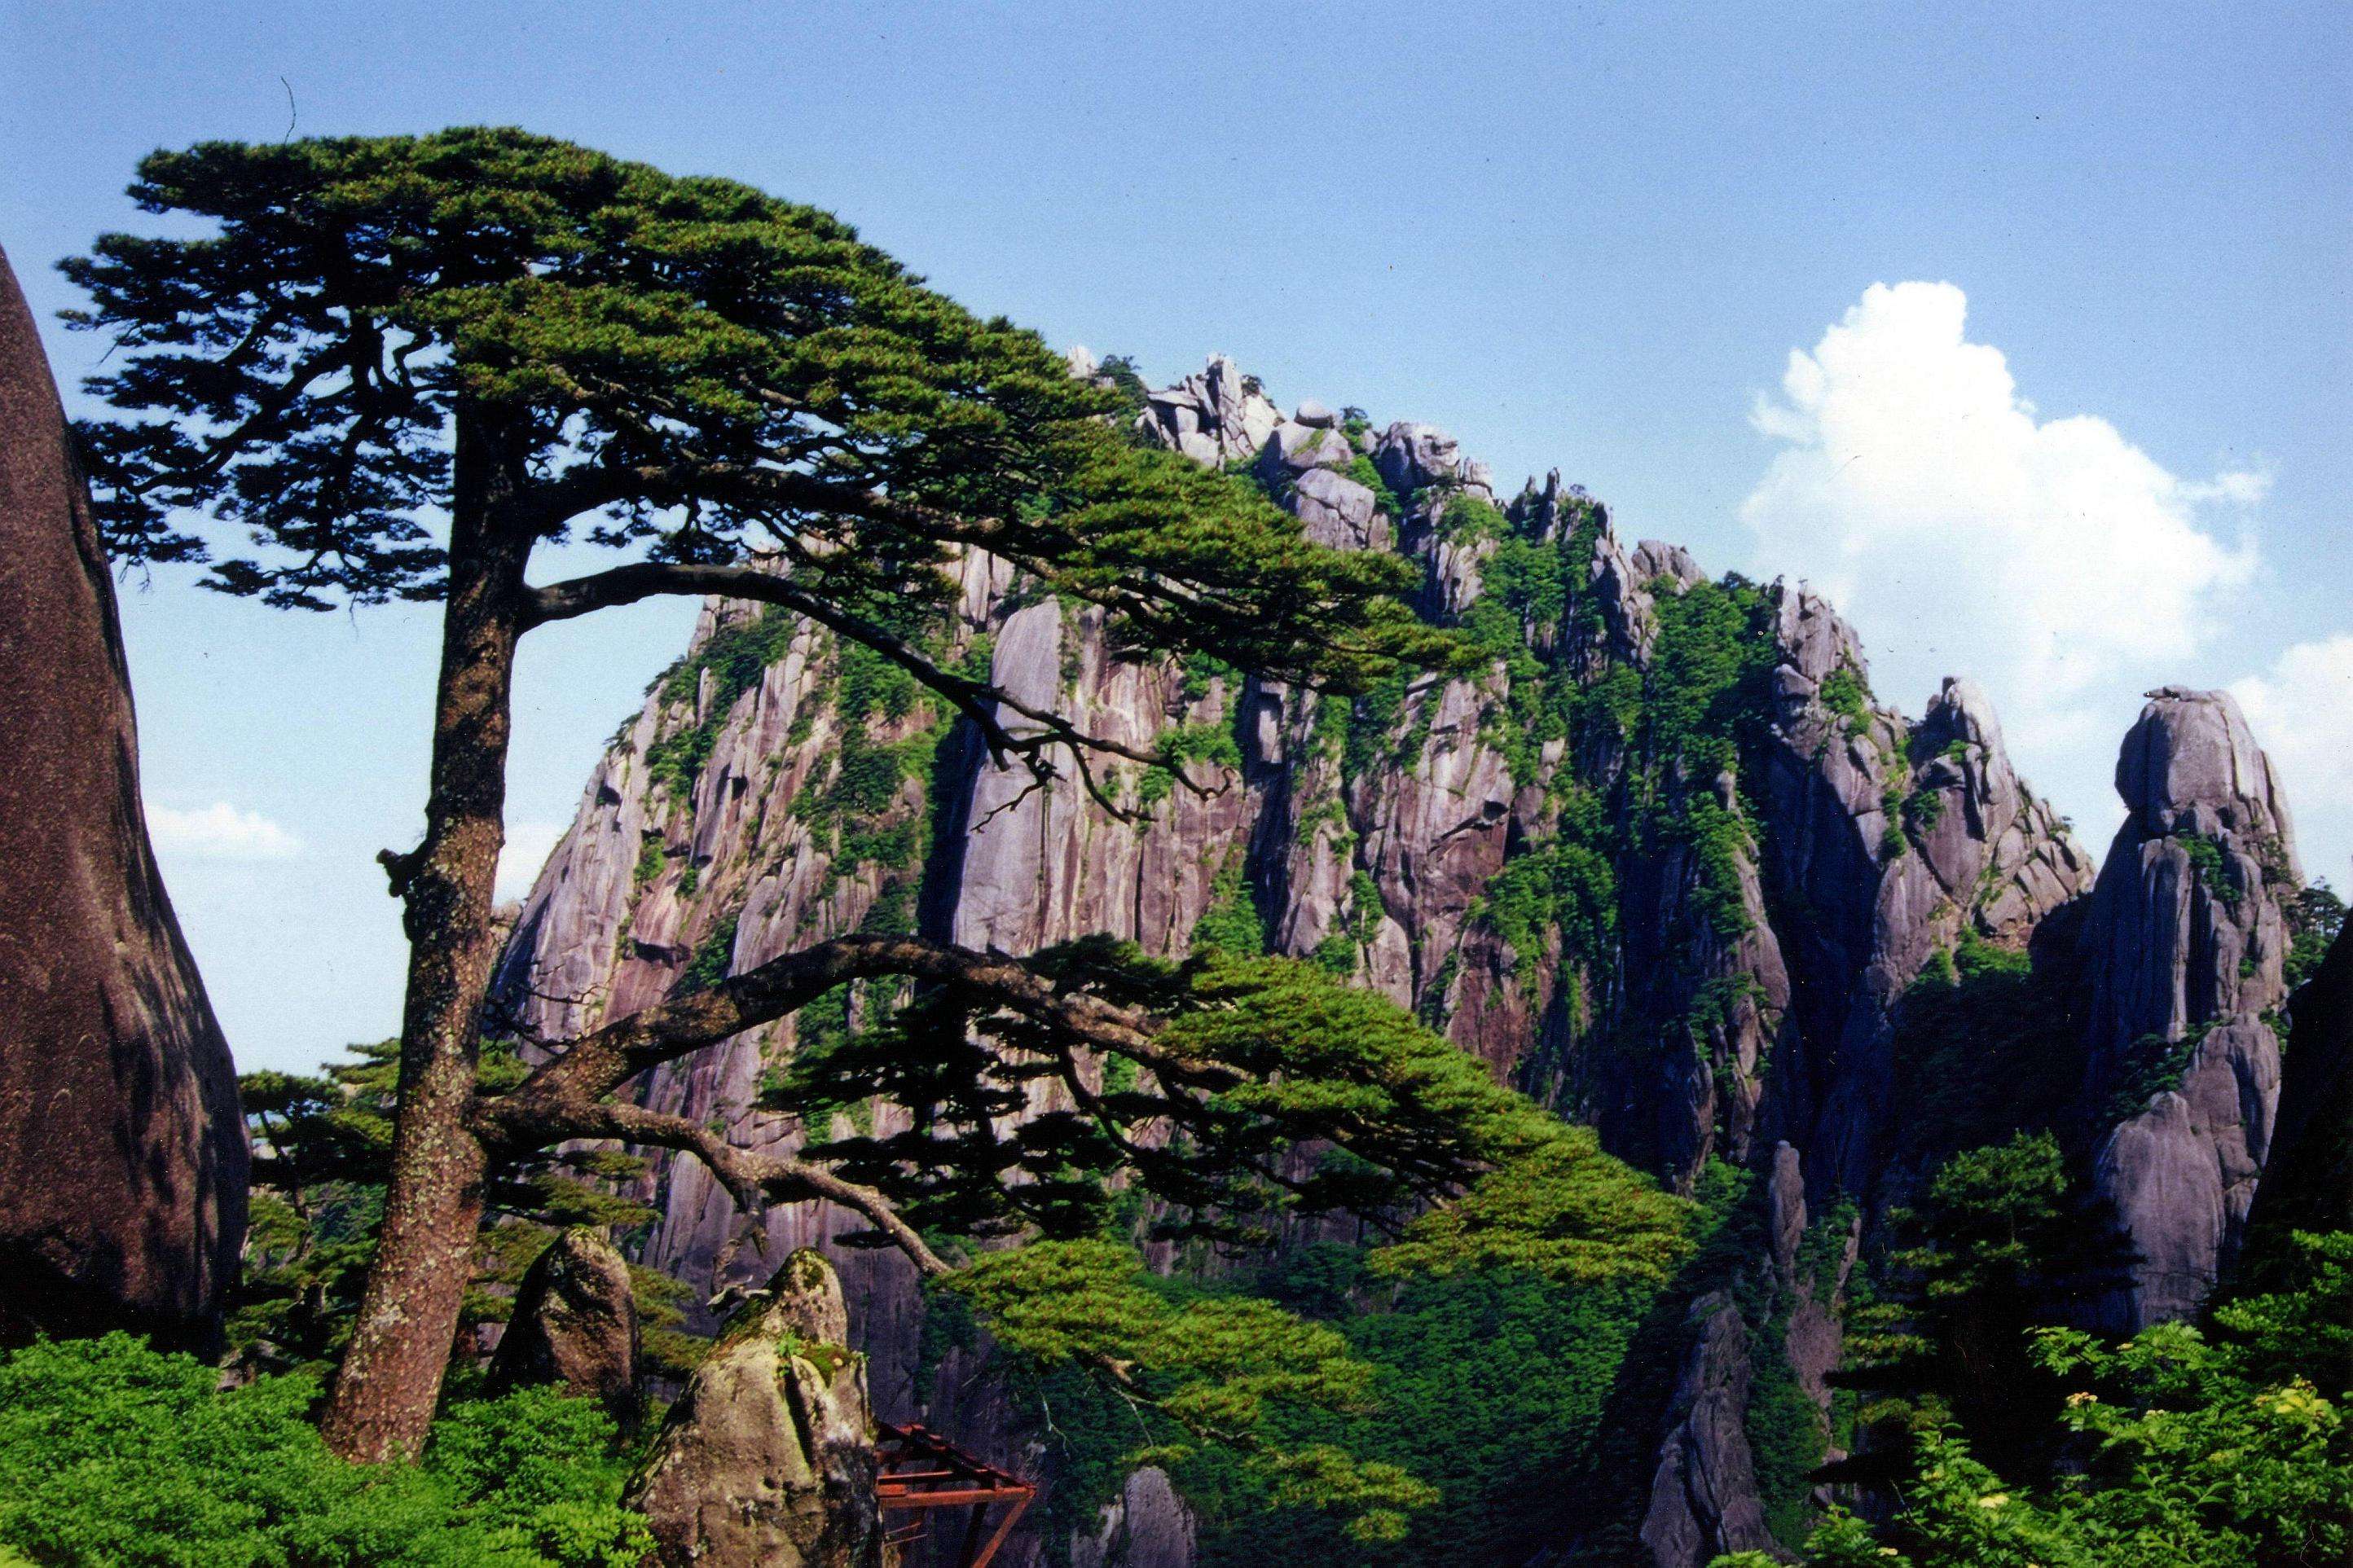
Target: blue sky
x=2110 y=454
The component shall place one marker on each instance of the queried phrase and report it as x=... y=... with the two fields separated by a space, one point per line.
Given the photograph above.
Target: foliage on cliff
x=1254 y=1062
x=2221 y=1445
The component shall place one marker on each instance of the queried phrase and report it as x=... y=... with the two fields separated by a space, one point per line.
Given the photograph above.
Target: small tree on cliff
x=537 y=342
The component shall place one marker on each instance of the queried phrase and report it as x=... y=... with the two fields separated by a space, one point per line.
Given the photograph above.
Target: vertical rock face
x=2307 y=1181
x=767 y=1460
x=1704 y=1494
x=1666 y=864
x=122 y=1154
x=1146 y=1526
x=575 y=1323
x=2185 y=944
x=2182 y=1172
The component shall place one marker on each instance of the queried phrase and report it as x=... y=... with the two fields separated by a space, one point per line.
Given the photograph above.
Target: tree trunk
x=390 y=1380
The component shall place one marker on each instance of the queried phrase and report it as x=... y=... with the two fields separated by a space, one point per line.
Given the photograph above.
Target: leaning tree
x=397 y=366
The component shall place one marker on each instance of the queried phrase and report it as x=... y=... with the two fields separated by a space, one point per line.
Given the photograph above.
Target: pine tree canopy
x=1262 y=1090
x=684 y=366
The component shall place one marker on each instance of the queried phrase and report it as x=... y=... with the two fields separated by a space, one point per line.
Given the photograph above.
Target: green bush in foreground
x=114 y=1453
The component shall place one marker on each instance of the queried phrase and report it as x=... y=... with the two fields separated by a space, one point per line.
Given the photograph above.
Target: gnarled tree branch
x=748 y=1176
x=532 y=1114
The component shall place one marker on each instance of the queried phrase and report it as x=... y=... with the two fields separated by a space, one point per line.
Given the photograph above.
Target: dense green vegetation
x=2314 y=917
x=1490 y=1387
x=2001 y=1240
x=2221 y=1445
x=115 y=1455
x=1985 y=1047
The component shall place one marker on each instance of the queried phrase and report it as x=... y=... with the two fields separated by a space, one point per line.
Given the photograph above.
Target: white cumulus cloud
x=528 y=846
x=1964 y=533
x=219 y=832
x=2302 y=711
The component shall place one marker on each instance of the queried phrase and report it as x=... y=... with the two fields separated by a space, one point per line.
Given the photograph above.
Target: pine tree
x=538 y=342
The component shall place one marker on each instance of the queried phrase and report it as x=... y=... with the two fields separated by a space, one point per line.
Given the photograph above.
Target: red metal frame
x=923 y=1470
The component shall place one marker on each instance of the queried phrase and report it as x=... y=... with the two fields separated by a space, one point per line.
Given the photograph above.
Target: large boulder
x=575 y=1323
x=768 y=1461
x=123 y=1153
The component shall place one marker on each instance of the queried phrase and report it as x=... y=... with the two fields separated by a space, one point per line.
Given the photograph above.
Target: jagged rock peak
x=2190 y=766
x=1212 y=417
x=1815 y=639
x=1421 y=841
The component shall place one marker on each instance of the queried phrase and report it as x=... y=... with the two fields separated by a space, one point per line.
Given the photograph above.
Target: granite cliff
x=1667 y=864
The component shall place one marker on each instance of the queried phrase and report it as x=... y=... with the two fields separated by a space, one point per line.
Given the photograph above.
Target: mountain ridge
x=1666 y=864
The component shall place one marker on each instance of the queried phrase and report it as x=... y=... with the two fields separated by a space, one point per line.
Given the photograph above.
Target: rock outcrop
x=123 y=1153
x=1704 y=1499
x=1148 y=1525
x=767 y=1460
x=2185 y=944
x=575 y=1323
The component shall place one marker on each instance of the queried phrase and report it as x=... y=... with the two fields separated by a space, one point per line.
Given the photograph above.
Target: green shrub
x=1362 y=470
x=2225 y=1446
x=2315 y=916
x=1230 y=924
x=113 y=1454
x=1844 y=694
x=2212 y=868
x=713 y=957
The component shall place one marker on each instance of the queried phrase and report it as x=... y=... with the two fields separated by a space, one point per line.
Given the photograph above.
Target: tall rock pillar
x=2186 y=943
x=123 y=1155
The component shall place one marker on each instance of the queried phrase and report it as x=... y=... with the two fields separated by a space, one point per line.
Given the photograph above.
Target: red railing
x=922 y=1470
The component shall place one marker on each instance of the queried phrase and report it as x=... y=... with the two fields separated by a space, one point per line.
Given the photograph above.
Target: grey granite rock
x=575 y=1324
x=767 y=1460
x=2183 y=1171
x=2186 y=933
x=1704 y=1500
x=1148 y=1525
